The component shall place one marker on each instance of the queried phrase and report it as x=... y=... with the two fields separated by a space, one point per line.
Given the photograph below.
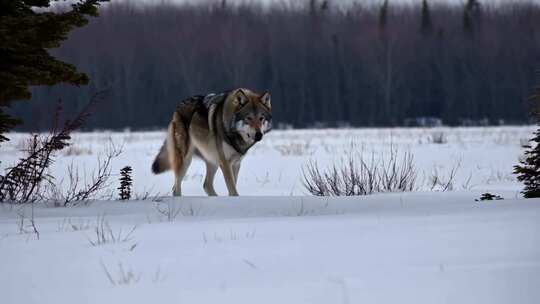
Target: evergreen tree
x=125 y=183
x=426 y=25
x=471 y=15
x=528 y=170
x=325 y=5
x=467 y=22
x=26 y=32
x=383 y=15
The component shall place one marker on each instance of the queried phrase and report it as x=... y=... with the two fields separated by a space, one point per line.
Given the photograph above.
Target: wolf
x=219 y=129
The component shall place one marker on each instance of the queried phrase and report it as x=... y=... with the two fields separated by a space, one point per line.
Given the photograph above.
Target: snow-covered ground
x=481 y=157
x=275 y=244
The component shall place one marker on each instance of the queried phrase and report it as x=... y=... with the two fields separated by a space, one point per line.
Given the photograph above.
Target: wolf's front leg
x=209 y=179
x=177 y=187
x=228 y=174
x=236 y=170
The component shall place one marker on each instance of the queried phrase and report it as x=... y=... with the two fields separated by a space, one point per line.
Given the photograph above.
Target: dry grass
x=295 y=148
x=360 y=176
x=103 y=233
x=122 y=277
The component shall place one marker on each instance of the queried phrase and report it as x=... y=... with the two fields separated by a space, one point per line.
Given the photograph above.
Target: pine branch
x=21 y=181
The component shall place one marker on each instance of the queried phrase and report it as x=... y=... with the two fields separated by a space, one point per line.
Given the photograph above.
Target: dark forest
x=324 y=66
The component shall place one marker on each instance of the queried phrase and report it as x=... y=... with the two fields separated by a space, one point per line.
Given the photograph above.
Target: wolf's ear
x=265 y=99
x=240 y=98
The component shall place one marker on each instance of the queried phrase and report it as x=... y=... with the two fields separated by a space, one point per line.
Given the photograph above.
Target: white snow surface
x=275 y=244
x=482 y=158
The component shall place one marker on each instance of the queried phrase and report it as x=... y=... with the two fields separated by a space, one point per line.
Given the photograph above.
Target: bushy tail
x=161 y=163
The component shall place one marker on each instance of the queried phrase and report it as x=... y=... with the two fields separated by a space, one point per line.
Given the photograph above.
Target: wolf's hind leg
x=179 y=151
x=180 y=170
x=211 y=170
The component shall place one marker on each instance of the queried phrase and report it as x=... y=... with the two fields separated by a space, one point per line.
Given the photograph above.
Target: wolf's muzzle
x=258 y=136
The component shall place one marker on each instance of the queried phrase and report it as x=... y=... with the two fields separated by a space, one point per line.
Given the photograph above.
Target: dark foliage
x=26 y=33
x=489 y=197
x=528 y=170
x=383 y=15
x=125 y=183
x=322 y=65
x=426 y=25
x=471 y=16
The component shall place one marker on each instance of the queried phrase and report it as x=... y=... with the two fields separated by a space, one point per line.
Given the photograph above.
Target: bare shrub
x=76 y=151
x=68 y=224
x=27 y=224
x=301 y=210
x=496 y=176
x=105 y=235
x=263 y=181
x=81 y=190
x=23 y=180
x=438 y=138
x=170 y=210
x=358 y=176
x=467 y=185
x=443 y=182
x=158 y=276
x=397 y=175
x=123 y=277
x=148 y=195
x=231 y=236
x=295 y=148
x=21 y=183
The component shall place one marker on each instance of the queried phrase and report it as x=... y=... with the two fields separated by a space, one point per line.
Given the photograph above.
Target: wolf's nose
x=258 y=136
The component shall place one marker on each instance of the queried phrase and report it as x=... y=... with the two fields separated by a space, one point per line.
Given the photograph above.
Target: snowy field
x=482 y=158
x=277 y=244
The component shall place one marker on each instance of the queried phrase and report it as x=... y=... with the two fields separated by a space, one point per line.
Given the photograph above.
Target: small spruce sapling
x=125 y=183
x=528 y=170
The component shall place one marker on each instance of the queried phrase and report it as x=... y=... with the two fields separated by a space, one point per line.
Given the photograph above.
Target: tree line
x=324 y=65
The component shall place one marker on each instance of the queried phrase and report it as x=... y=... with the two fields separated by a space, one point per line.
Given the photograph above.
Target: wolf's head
x=252 y=115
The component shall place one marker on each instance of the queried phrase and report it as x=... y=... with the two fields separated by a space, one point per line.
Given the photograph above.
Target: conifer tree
x=471 y=15
x=383 y=15
x=528 y=170
x=27 y=31
x=125 y=183
x=426 y=25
